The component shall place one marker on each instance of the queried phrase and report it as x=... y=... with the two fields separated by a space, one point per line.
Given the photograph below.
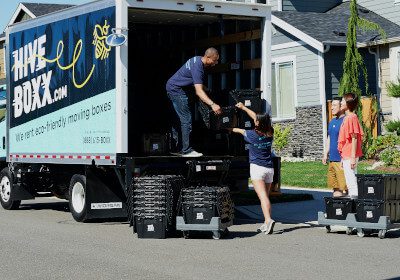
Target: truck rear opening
x=159 y=43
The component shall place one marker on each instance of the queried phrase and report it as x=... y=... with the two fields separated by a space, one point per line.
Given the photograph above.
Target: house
x=389 y=56
x=308 y=51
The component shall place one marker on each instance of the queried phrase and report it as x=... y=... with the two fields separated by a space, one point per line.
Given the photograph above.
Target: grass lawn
x=313 y=174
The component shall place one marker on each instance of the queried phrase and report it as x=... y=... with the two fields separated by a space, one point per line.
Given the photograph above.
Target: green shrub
x=393 y=126
x=281 y=137
x=393 y=88
x=381 y=143
x=390 y=156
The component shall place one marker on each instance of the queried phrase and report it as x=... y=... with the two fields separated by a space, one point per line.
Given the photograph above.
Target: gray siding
x=384 y=8
x=334 y=71
x=307 y=73
x=281 y=36
x=274 y=4
x=319 y=6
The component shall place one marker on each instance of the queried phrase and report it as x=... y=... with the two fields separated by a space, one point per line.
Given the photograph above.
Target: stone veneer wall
x=306 y=134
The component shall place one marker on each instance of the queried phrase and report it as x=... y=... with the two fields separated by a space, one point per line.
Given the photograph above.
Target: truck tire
x=77 y=198
x=6 y=187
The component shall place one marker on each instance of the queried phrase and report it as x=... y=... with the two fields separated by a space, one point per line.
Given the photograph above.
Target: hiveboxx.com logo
x=30 y=58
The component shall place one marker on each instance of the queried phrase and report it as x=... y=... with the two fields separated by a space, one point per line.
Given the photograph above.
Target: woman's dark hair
x=351 y=101
x=264 y=124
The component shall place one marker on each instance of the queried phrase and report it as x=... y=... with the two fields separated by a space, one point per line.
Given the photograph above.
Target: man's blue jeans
x=181 y=106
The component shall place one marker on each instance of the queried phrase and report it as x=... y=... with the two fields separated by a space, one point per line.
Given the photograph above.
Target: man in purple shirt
x=190 y=74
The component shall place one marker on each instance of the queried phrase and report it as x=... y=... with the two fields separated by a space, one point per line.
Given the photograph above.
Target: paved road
x=42 y=241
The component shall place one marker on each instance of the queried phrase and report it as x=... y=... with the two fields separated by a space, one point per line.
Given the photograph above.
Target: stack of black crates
x=152 y=205
x=204 y=196
x=378 y=195
x=202 y=202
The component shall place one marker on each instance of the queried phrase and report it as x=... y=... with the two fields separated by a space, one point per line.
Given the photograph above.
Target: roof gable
x=330 y=28
x=32 y=10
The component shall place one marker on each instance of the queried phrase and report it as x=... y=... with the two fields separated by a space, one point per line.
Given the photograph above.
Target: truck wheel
x=77 y=198
x=6 y=189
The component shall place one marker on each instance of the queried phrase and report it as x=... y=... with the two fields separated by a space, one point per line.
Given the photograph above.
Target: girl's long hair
x=264 y=125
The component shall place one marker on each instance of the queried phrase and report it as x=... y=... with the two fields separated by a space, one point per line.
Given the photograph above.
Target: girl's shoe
x=262 y=228
x=269 y=227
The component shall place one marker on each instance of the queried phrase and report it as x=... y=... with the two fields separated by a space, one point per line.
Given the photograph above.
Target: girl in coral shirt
x=350 y=141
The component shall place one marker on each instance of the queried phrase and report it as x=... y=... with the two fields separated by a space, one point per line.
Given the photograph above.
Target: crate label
x=339 y=212
x=198 y=168
x=370 y=214
x=155 y=147
x=246 y=147
x=211 y=167
x=371 y=190
x=247 y=103
x=109 y=205
x=150 y=227
x=199 y=216
x=235 y=66
x=225 y=119
x=247 y=124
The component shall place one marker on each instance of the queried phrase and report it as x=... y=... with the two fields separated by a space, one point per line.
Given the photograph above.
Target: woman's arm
x=353 y=150
x=249 y=112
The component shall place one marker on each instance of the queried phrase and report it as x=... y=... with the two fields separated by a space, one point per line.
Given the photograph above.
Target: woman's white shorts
x=261 y=173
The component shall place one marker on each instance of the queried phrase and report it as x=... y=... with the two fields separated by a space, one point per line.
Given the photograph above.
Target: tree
x=354 y=62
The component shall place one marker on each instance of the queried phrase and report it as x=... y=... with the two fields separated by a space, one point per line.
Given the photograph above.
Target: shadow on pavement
x=57 y=205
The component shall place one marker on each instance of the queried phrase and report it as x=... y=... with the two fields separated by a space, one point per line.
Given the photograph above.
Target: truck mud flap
x=104 y=195
x=20 y=193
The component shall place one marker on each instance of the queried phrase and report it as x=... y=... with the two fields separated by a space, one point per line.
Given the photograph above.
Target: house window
x=283 y=89
x=398 y=65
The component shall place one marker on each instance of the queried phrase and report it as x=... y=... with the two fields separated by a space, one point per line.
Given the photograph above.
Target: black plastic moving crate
x=151 y=227
x=216 y=143
x=378 y=186
x=227 y=119
x=369 y=210
x=252 y=100
x=201 y=203
x=152 y=203
x=155 y=144
x=210 y=171
x=338 y=208
x=199 y=213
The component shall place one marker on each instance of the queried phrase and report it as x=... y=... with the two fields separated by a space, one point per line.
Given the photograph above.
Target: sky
x=8 y=7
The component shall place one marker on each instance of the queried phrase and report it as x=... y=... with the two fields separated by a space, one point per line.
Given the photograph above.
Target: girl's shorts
x=261 y=173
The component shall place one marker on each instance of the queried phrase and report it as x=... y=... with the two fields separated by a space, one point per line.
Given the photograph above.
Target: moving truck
x=86 y=86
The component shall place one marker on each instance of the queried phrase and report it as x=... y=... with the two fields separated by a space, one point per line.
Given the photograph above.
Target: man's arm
x=204 y=97
x=328 y=144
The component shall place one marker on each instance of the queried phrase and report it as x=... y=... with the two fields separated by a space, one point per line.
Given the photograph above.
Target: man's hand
x=240 y=105
x=324 y=160
x=216 y=108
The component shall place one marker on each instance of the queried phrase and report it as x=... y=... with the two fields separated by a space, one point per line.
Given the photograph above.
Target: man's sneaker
x=193 y=154
x=270 y=227
x=262 y=228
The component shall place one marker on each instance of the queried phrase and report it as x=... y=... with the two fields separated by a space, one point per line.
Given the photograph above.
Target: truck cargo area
x=160 y=42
